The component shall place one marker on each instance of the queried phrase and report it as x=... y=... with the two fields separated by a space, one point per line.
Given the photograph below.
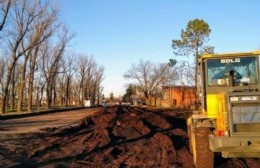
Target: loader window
x=245 y=119
x=244 y=69
x=246 y=114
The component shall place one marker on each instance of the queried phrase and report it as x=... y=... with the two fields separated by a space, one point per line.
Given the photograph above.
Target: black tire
x=204 y=157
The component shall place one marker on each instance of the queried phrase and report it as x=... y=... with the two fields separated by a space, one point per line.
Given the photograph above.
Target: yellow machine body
x=230 y=104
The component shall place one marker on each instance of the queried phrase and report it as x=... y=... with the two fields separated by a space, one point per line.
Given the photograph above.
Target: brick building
x=178 y=96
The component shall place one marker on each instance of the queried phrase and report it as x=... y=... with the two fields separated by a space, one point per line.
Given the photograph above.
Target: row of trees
x=150 y=77
x=35 y=64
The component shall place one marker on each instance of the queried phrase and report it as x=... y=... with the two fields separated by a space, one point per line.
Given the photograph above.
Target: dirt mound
x=116 y=137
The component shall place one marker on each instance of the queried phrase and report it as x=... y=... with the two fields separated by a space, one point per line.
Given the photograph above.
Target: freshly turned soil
x=114 y=137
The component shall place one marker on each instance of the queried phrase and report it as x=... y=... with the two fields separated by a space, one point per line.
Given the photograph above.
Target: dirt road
x=41 y=122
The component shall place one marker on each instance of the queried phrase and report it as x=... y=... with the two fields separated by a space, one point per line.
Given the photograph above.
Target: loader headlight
x=233 y=99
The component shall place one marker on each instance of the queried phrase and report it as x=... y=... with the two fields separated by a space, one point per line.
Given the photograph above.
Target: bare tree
x=41 y=30
x=51 y=57
x=150 y=77
x=143 y=73
x=164 y=75
x=83 y=62
x=32 y=68
x=89 y=76
x=85 y=70
x=68 y=69
x=88 y=82
x=96 y=82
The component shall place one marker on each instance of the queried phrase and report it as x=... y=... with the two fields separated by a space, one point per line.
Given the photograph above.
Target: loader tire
x=203 y=156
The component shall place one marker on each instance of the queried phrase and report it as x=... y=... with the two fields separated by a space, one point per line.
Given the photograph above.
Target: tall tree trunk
x=54 y=93
x=30 y=93
x=6 y=86
x=98 y=97
x=155 y=99
x=83 y=96
x=67 y=92
x=94 y=95
x=31 y=79
x=49 y=95
x=3 y=102
x=82 y=92
x=22 y=86
x=12 y=102
x=146 y=97
x=40 y=100
x=79 y=97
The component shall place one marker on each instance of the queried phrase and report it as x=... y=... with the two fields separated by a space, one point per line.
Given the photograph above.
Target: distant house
x=178 y=96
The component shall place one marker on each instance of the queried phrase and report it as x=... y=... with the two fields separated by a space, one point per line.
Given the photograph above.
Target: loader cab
x=243 y=70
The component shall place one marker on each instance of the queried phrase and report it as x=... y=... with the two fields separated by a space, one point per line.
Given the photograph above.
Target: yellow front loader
x=229 y=119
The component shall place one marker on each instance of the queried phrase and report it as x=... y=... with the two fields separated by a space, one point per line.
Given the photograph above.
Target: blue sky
x=121 y=32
